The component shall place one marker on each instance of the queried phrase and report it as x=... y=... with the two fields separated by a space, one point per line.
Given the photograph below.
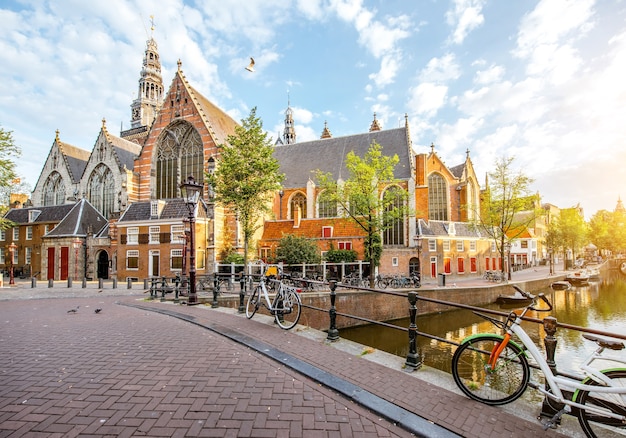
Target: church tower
x=289 y=135
x=150 y=95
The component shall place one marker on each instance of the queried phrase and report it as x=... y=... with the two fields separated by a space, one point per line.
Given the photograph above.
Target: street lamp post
x=550 y=260
x=190 y=190
x=77 y=244
x=418 y=244
x=12 y=249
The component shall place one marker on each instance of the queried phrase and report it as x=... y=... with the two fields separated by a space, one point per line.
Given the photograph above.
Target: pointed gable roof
x=300 y=161
x=49 y=214
x=75 y=158
x=81 y=219
x=124 y=151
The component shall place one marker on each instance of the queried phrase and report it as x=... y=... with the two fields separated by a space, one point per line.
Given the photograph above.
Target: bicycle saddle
x=603 y=342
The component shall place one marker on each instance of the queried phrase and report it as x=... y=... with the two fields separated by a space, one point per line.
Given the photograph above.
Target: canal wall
x=384 y=307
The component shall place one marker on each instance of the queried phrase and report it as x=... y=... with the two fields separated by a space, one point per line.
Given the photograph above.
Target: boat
x=561 y=285
x=593 y=272
x=516 y=299
x=578 y=278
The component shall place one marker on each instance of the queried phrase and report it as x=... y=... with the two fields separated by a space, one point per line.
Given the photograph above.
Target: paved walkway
x=145 y=368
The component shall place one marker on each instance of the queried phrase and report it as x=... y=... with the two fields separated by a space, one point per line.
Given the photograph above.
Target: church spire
x=375 y=126
x=150 y=94
x=289 y=135
x=326 y=132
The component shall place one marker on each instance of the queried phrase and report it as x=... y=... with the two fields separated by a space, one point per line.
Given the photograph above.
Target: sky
x=540 y=81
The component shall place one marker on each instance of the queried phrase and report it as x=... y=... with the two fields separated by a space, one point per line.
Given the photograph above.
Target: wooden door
x=51 y=264
x=65 y=259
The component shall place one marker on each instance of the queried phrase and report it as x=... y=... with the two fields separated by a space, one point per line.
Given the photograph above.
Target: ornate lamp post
x=77 y=244
x=281 y=193
x=12 y=249
x=418 y=244
x=190 y=190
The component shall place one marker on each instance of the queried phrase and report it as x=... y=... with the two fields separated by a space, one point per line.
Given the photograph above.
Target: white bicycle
x=493 y=369
x=286 y=305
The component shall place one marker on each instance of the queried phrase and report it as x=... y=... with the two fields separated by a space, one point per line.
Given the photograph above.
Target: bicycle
x=286 y=305
x=493 y=369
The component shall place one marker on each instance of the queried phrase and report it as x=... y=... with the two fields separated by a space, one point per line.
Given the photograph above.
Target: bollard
x=216 y=291
x=115 y=283
x=548 y=407
x=129 y=283
x=413 y=361
x=84 y=282
x=69 y=282
x=145 y=283
x=100 y=283
x=33 y=282
x=333 y=333
x=50 y=282
x=242 y=293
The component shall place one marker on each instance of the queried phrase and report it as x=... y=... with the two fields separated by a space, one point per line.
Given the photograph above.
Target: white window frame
x=16 y=233
x=347 y=245
x=432 y=245
x=2 y=253
x=460 y=245
x=176 y=253
x=446 y=245
x=472 y=245
x=29 y=233
x=132 y=253
x=394 y=261
x=324 y=228
x=28 y=254
x=177 y=234
x=3 y=235
x=154 y=233
x=132 y=236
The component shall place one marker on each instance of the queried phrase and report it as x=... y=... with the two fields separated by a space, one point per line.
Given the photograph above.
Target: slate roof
x=125 y=151
x=220 y=124
x=83 y=217
x=457 y=171
x=299 y=161
x=434 y=228
x=76 y=159
x=174 y=208
x=49 y=214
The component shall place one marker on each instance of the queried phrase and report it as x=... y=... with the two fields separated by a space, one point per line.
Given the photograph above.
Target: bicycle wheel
x=252 y=305
x=287 y=309
x=475 y=377
x=597 y=425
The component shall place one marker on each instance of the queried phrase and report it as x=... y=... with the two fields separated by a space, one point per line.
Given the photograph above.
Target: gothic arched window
x=179 y=154
x=297 y=200
x=101 y=190
x=326 y=207
x=54 y=190
x=394 y=223
x=437 y=198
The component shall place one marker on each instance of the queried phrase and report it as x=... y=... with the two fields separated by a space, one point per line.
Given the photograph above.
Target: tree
x=568 y=231
x=607 y=230
x=294 y=250
x=359 y=197
x=246 y=175
x=507 y=207
x=9 y=151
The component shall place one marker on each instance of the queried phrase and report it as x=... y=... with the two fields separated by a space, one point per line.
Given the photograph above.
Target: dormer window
x=33 y=215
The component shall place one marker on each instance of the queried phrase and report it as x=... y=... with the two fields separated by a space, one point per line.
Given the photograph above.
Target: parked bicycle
x=493 y=369
x=285 y=306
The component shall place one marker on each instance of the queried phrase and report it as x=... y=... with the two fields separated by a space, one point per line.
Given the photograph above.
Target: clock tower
x=150 y=95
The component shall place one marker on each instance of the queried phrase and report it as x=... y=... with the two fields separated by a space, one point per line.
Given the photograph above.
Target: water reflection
x=600 y=305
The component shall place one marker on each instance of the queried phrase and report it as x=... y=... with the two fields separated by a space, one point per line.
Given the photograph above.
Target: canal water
x=600 y=305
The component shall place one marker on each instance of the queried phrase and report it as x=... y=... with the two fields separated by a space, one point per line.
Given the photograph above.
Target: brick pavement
x=130 y=372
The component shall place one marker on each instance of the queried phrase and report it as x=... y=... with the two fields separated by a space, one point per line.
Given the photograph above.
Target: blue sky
x=542 y=81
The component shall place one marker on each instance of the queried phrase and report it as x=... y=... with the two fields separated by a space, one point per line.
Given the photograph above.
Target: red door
x=65 y=252
x=50 y=264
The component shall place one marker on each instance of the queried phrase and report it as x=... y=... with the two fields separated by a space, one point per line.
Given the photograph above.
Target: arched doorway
x=414 y=265
x=103 y=265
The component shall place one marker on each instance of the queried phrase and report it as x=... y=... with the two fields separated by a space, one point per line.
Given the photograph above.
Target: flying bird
x=98 y=310
x=73 y=310
x=250 y=66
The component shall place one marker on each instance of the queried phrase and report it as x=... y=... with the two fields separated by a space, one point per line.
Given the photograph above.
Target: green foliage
x=508 y=209
x=359 y=197
x=607 y=230
x=340 y=255
x=9 y=151
x=294 y=250
x=234 y=257
x=246 y=175
x=568 y=231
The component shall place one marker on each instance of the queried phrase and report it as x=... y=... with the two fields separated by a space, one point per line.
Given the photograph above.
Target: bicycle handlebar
x=532 y=306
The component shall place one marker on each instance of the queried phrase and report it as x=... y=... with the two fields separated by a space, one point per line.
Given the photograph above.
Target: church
x=115 y=211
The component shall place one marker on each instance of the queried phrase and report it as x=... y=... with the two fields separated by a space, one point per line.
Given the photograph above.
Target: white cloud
x=441 y=69
x=427 y=98
x=492 y=74
x=465 y=17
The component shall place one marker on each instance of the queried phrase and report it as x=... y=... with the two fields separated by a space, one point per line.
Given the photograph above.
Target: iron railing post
x=548 y=407
x=333 y=333
x=216 y=290
x=413 y=360
x=242 y=292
